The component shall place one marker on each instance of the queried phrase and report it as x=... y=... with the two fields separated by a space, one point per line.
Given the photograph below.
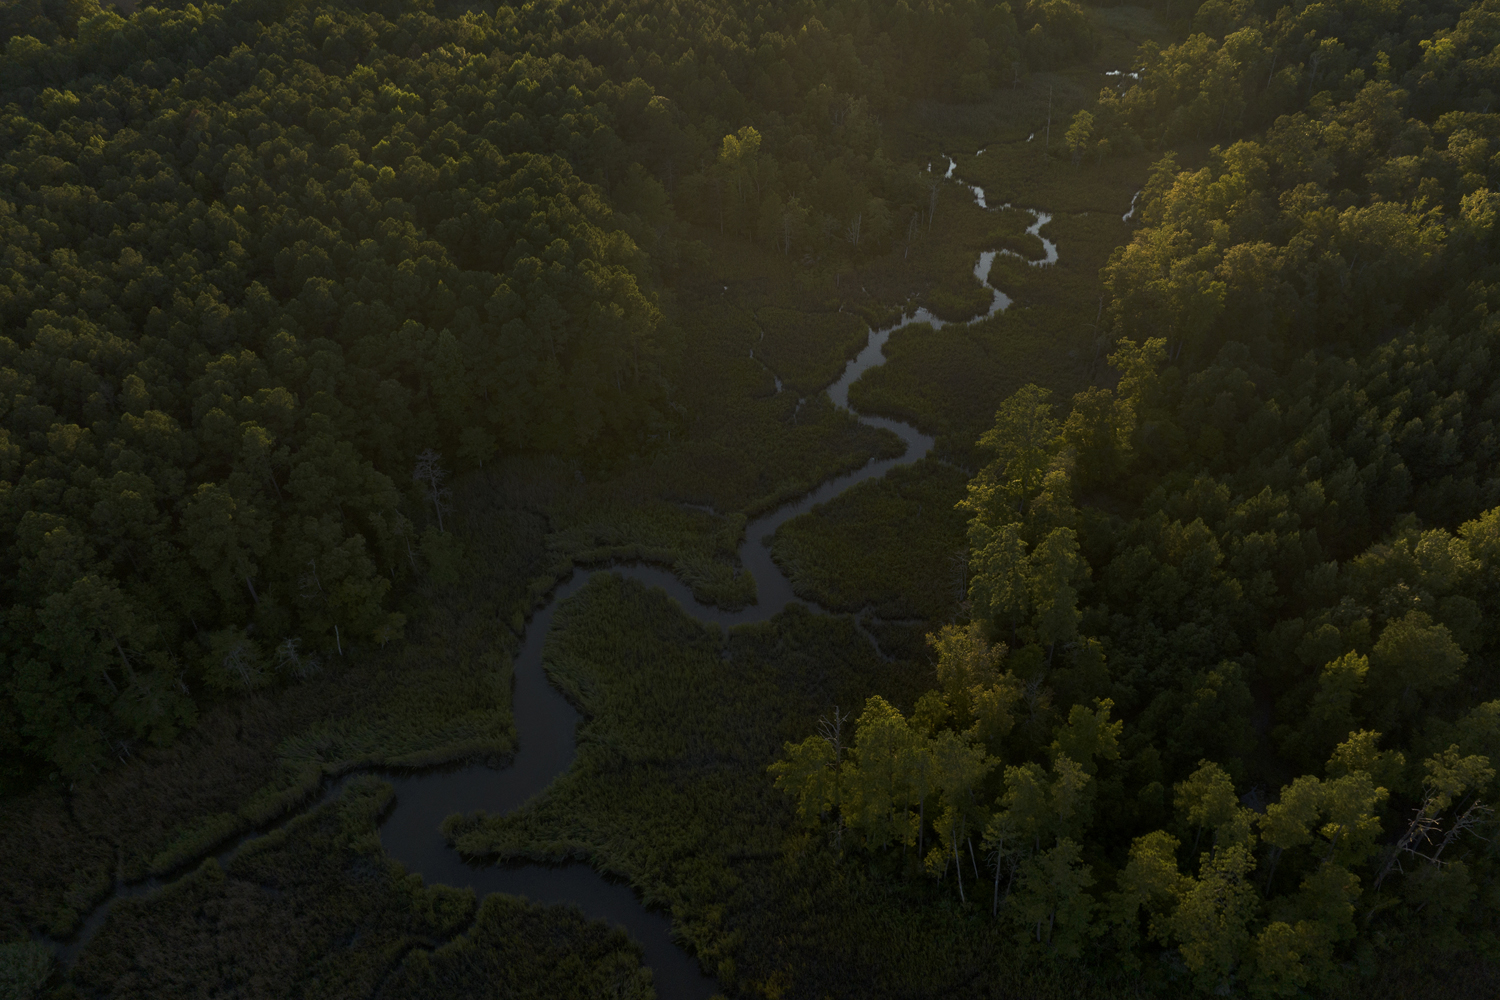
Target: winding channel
x=546 y=723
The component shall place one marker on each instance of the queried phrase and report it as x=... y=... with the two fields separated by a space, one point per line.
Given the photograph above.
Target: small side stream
x=546 y=723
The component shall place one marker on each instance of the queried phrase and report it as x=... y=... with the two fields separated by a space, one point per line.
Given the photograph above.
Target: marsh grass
x=25 y=967
x=313 y=905
x=901 y=640
x=809 y=350
x=519 y=951
x=239 y=770
x=317 y=909
x=669 y=791
x=745 y=448
x=948 y=382
x=741 y=470
x=245 y=765
x=442 y=695
x=893 y=544
x=668 y=788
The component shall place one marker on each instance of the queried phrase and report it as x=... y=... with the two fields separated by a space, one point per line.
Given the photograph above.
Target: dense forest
x=260 y=258
x=1216 y=712
x=1228 y=682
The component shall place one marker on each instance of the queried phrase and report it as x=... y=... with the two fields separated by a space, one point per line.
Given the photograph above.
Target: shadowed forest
x=335 y=337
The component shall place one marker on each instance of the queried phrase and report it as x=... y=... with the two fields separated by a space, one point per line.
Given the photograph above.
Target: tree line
x=1224 y=701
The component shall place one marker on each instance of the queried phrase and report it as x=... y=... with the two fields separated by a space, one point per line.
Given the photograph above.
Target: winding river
x=546 y=722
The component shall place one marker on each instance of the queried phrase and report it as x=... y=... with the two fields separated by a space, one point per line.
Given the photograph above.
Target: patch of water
x=1128 y=215
x=974 y=189
x=1000 y=302
x=1049 y=249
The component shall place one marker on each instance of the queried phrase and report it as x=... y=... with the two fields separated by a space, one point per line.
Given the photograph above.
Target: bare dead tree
x=1098 y=329
x=1049 y=122
x=832 y=730
x=433 y=478
x=238 y=664
x=290 y=660
x=960 y=561
x=1425 y=823
x=852 y=230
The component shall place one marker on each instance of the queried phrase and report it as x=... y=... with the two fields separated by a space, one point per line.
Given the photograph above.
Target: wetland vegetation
x=341 y=340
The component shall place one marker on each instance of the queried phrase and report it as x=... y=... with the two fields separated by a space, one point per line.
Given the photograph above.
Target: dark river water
x=546 y=723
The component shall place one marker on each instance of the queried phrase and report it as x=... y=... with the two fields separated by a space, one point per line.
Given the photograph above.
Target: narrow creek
x=546 y=723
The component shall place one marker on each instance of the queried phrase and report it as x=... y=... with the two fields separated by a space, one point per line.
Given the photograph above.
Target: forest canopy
x=1226 y=700
x=271 y=271
x=1221 y=708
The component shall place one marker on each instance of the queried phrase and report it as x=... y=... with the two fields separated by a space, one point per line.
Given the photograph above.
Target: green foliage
x=686 y=735
x=261 y=256
x=1149 y=884
x=219 y=927
x=1377 y=646
x=1088 y=735
x=1375 y=181
x=25 y=967
x=516 y=949
x=442 y=696
x=1056 y=30
x=268 y=353
x=1279 y=512
x=1211 y=921
x=894 y=543
x=1051 y=903
x=808 y=350
x=948 y=381
x=1080 y=135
